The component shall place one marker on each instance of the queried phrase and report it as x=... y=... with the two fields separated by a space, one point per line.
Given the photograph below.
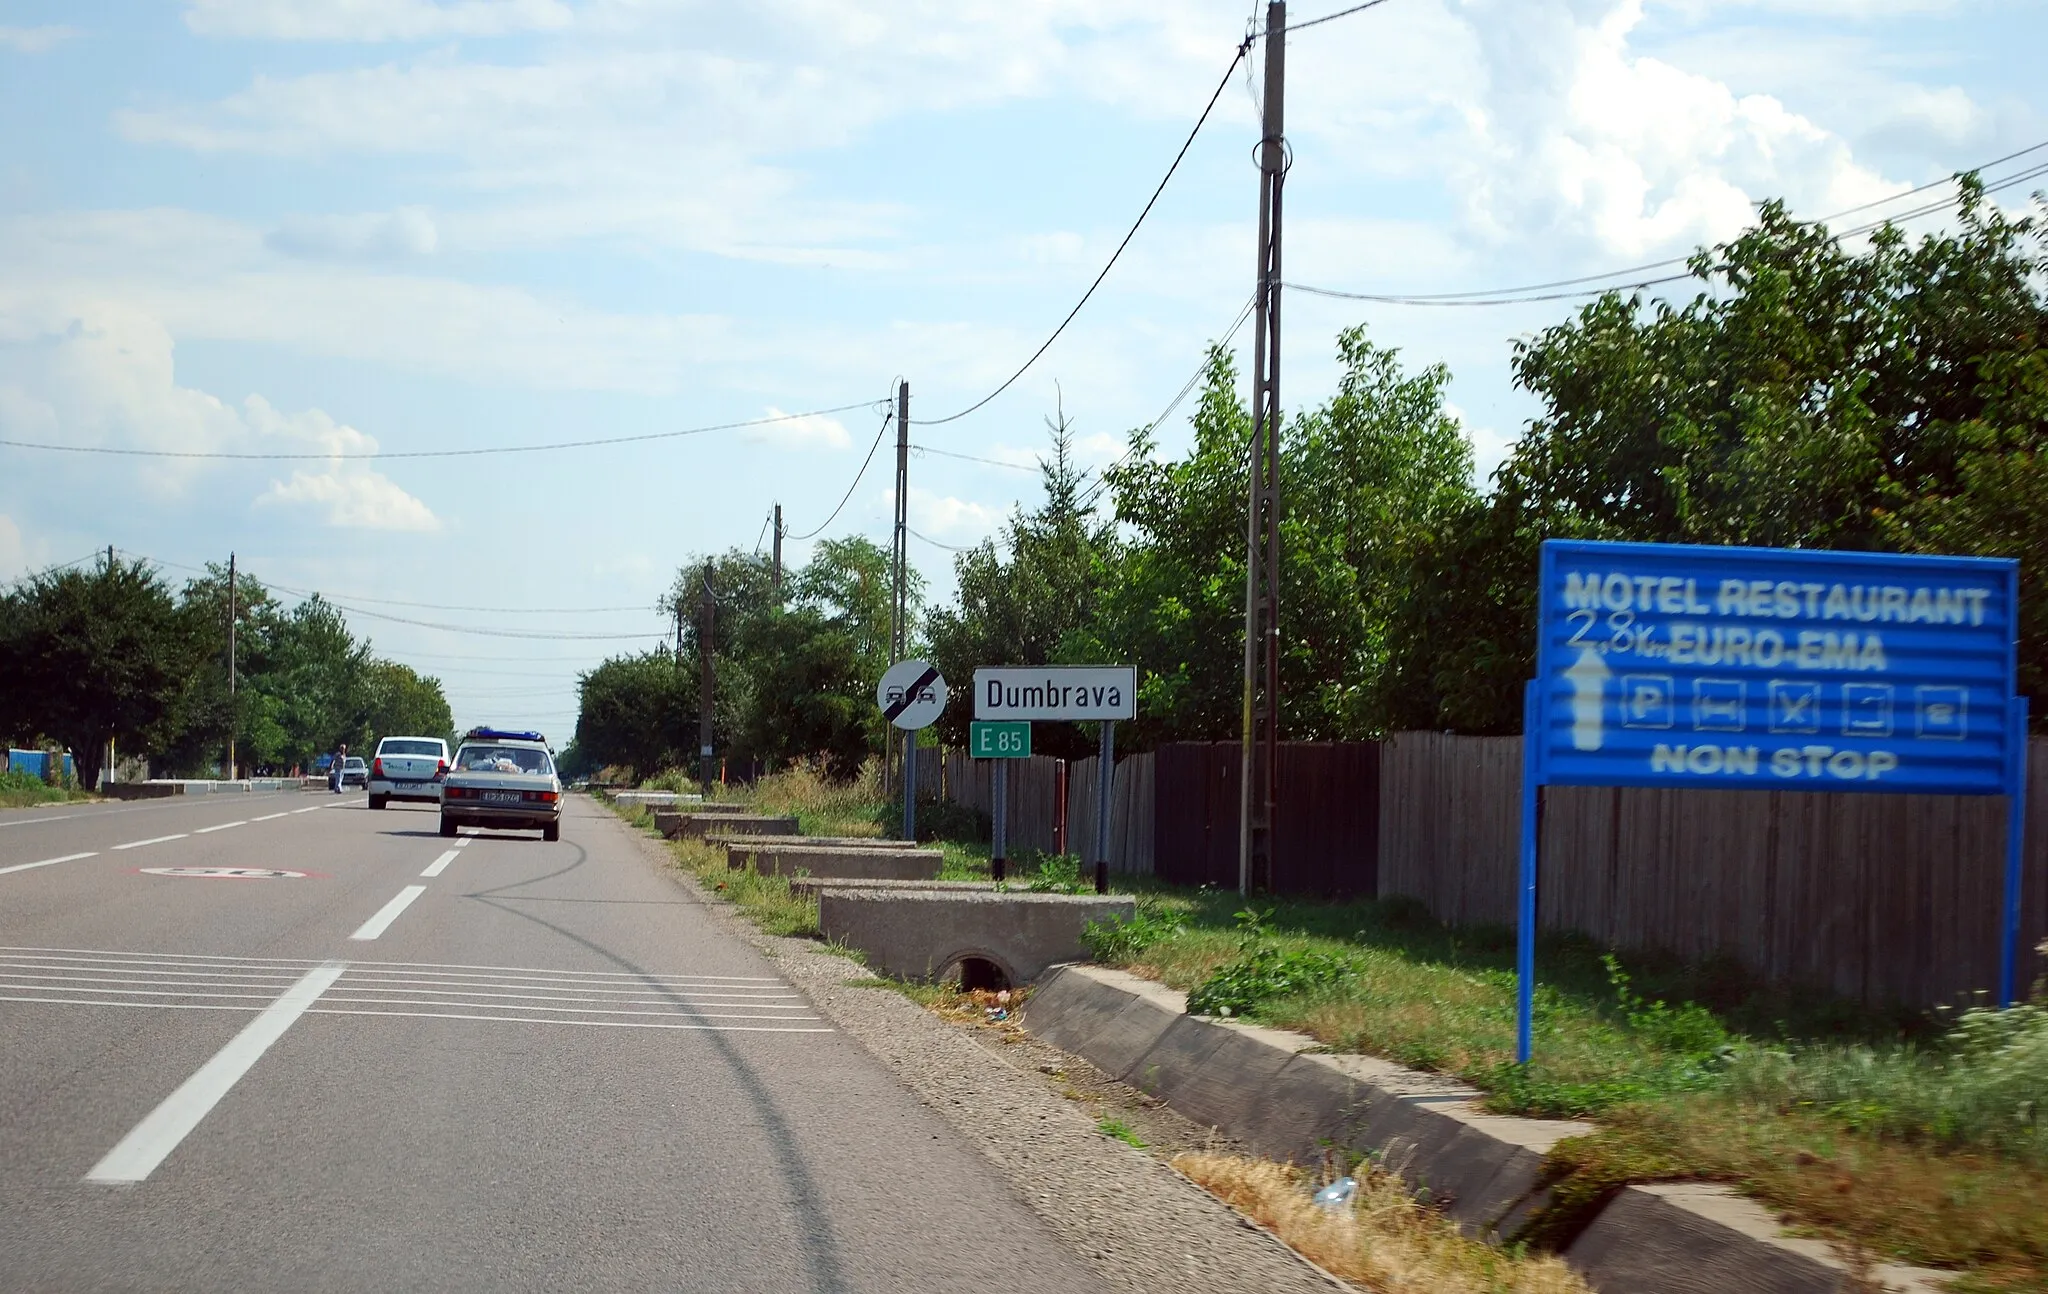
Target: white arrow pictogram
x=1589 y=698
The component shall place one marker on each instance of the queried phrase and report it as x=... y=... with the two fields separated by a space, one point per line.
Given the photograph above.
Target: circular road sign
x=912 y=693
x=227 y=873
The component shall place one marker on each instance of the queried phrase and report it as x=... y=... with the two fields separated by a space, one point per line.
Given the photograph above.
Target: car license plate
x=501 y=797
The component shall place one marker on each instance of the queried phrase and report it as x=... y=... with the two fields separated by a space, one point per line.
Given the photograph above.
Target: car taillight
x=377 y=769
x=458 y=792
x=440 y=769
x=543 y=797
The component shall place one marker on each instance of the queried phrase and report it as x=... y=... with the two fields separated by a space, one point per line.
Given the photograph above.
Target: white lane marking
x=43 y=982
x=314 y=809
x=271 y=817
x=465 y=840
x=222 y=827
x=440 y=864
x=600 y=1024
x=153 y=840
x=441 y=1015
x=25 y=822
x=46 y=862
x=430 y=999
x=203 y=958
x=161 y=971
x=387 y=914
x=150 y=1141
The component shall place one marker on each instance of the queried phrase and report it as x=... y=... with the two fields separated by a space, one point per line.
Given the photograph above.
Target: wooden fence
x=1881 y=898
x=1034 y=784
x=1327 y=837
x=1131 y=820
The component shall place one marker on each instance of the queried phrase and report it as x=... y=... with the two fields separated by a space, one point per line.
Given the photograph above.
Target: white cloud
x=812 y=431
x=352 y=499
x=14 y=558
x=371 y=20
x=945 y=515
x=34 y=40
x=104 y=376
x=377 y=236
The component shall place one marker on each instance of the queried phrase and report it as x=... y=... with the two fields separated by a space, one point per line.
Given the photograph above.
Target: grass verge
x=20 y=790
x=766 y=900
x=1385 y=1240
x=1909 y=1138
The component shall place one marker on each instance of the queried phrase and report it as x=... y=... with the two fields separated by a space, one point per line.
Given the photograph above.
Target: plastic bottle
x=1337 y=1195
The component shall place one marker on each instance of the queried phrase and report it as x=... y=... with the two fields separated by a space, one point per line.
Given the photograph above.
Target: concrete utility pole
x=778 y=548
x=1261 y=745
x=231 y=667
x=706 y=684
x=899 y=631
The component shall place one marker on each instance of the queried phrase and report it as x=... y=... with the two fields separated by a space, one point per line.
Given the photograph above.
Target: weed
x=1058 y=874
x=1120 y=1130
x=19 y=790
x=1116 y=941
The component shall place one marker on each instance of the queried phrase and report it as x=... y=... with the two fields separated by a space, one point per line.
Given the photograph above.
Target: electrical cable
x=991 y=462
x=433 y=453
x=1508 y=300
x=764 y=533
x=1329 y=17
x=951 y=548
x=1518 y=295
x=1129 y=234
x=886 y=420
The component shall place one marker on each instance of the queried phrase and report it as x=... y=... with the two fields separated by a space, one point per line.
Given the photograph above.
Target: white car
x=408 y=768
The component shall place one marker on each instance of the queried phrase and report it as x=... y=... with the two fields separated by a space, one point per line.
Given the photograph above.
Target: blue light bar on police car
x=499 y=734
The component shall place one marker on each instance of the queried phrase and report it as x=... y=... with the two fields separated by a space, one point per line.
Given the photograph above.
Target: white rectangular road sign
x=1056 y=693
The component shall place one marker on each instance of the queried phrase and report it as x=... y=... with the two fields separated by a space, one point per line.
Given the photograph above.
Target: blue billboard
x=1706 y=668
x=1775 y=669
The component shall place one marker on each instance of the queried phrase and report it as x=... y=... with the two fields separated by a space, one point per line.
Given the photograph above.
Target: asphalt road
x=504 y=1065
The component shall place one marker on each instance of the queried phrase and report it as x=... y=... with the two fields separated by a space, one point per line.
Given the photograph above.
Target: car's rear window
x=400 y=746
x=502 y=759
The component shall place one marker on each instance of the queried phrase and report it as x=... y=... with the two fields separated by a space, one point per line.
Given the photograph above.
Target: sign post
x=1065 y=694
x=1000 y=742
x=912 y=695
x=1687 y=666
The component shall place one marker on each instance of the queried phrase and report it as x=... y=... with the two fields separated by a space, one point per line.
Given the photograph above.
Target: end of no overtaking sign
x=912 y=694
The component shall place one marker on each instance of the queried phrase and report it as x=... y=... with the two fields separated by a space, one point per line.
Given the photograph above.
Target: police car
x=502 y=780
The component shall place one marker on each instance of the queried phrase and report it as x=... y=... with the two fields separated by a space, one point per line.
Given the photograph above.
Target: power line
x=1129 y=234
x=1331 y=17
x=883 y=431
x=951 y=548
x=1528 y=292
x=498 y=633
x=971 y=458
x=433 y=453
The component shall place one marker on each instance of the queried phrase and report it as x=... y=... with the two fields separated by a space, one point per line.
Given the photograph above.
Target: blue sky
x=322 y=226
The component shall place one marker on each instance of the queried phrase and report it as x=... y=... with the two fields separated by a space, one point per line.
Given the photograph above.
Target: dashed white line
x=153 y=840
x=29 y=822
x=221 y=827
x=465 y=840
x=310 y=809
x=440 y=864
x=269 y=816
x=378 y=924
x=151 y=1141
x=46 y=862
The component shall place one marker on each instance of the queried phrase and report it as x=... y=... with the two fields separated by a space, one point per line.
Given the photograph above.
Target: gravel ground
x=1032 y=1109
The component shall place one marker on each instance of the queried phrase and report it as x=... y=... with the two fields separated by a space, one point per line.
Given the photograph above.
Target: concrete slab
x=853 y=864
x=1260 y=1086
x=717 y=837
x=695 y=824
x=916 y=934
x=810 y=885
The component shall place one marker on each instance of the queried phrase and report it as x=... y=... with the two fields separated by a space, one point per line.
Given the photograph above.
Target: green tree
x=1022 y=599
x=1375 y=473
x=94 y=655
x=1809 y=396
x=399 y=701
x=634 y=711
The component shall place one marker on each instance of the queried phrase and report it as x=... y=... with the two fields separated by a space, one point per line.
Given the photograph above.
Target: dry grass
x=1387 y=1241
x=823 y=807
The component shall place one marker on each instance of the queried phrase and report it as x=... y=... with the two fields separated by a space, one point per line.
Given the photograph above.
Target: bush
x=1117 y=942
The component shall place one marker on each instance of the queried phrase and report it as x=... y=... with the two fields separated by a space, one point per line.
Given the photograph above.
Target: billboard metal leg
x=999 y=793
x=1105 y=787
x=1525 y=918
x=2015 y=854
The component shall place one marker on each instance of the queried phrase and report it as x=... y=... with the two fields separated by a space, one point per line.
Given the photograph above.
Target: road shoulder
x=1139 y=1225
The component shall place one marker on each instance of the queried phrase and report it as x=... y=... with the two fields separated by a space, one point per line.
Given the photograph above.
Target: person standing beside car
x=336 y=773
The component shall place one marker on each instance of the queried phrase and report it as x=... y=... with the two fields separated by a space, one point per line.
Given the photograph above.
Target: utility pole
x=1261 y=745
x=778 y=548
x=706 y=684
x=898 y=630
x=231 y=667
